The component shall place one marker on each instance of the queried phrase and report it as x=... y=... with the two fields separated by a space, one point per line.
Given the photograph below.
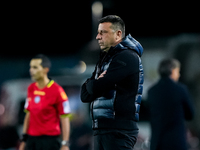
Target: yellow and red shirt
x=46 y=106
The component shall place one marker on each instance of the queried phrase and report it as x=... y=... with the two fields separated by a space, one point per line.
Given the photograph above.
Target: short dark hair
x=46 y=63
x=166 y=66
x=117 y=23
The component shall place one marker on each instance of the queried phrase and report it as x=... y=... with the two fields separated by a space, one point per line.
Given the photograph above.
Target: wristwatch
x=65 y=143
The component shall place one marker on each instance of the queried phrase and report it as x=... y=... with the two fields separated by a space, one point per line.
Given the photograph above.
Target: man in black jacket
x=115 y=88
x=170 y=105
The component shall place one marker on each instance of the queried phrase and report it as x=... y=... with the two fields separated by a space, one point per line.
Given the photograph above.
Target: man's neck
x=106 y=50
x=43 y=82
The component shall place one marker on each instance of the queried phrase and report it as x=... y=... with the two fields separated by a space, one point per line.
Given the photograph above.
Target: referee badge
x=66 y=107
x=37 y=99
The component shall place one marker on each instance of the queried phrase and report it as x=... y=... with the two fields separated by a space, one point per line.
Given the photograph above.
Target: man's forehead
x=36 y=61
x=105 y=26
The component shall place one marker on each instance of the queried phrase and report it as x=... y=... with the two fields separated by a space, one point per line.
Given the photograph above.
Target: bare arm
x=25 y=128
x=26 y=123
x=65 y=125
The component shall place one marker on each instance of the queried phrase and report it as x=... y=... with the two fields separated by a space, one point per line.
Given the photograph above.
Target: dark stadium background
x=63 y=28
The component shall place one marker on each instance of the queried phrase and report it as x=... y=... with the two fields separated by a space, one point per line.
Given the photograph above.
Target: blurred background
x=66 y=33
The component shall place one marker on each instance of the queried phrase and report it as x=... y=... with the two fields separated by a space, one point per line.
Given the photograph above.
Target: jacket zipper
x=91 y=109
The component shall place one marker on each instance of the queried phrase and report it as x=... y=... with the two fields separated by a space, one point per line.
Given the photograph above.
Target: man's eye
x=101 y=33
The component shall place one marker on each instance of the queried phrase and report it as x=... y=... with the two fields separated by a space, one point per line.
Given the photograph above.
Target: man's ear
x=46 y=70
x=119 y=35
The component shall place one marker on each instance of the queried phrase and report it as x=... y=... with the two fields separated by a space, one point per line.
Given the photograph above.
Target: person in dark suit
x=170 y=106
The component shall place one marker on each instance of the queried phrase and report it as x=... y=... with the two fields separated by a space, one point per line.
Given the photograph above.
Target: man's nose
x=98 y=37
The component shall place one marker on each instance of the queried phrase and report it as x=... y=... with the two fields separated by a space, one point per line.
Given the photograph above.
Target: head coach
x=115 y=87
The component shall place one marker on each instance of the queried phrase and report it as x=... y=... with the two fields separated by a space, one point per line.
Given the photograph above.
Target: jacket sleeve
x=124 y=64
x=187 y=103
x=85 y=96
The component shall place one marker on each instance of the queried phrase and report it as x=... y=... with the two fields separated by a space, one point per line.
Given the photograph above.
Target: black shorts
x=43 y=143
x=115 y=139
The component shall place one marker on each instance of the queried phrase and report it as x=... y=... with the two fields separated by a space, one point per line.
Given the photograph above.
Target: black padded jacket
x=115 y=98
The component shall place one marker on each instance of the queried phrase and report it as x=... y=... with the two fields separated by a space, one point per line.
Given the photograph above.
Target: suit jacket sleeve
x=187 y=103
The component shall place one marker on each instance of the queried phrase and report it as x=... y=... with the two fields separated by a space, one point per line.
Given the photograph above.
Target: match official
x=46 y=106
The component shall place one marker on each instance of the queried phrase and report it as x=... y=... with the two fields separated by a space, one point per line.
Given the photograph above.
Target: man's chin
x=33 y=79
x=104 y=49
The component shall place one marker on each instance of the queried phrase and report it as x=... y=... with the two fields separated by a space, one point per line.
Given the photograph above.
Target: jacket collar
x=127 y=43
